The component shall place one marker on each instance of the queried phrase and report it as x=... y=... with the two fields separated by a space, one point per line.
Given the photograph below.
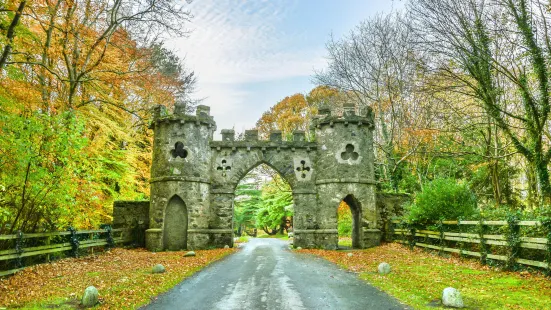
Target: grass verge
x=418 y=278
x=345 y=242
x=242 y=239
x=123 y=278
x=276 y=236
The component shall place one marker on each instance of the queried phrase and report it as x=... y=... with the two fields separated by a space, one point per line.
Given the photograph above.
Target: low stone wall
x=134 y=215
x=390 y=205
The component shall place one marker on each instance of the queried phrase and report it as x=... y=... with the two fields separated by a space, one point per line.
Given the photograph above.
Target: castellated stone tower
x=345 y=171
x=193 y=179
x=180 y=178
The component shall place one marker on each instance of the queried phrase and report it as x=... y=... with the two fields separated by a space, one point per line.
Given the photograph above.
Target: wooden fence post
x=461 y=243
x=513 y=240
x=547 y=225
x=441 y=231
x=19 y=249
x=73 y=240
x=390 y=231
x=412 y=230
x=48 y=241
x=482 y=230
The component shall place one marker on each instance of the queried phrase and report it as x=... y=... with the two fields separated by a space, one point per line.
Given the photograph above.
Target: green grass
x=276 y=236
x=418 y=278
x=243 y=239
x=345 y=241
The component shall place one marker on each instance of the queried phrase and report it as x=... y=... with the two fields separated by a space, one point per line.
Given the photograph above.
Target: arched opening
x=349 y=223
x=263 y=204
x=175 y=225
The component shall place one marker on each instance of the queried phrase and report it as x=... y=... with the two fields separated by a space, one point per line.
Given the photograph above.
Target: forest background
x=458 y=90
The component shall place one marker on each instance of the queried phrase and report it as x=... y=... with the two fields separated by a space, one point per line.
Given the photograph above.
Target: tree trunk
x=543 y=180
x=11 y=34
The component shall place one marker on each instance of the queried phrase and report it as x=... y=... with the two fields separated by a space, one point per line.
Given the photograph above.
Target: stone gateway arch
x=193 y=178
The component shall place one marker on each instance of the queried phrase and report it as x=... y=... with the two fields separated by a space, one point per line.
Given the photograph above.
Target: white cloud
x=239 y=43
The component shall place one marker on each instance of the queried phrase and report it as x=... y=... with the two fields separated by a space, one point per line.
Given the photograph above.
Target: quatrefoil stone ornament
x=224 y=167
x=179 y=150
x=303 y=169
x=348 y=154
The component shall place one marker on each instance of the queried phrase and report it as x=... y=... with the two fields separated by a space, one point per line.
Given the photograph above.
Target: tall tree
x=497 y=52
x=376 y=66
x=78 y=86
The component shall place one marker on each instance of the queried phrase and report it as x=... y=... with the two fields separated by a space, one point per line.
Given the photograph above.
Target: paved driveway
x=266 y=275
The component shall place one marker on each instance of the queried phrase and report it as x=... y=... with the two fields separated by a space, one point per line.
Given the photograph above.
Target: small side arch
x=356 y=210
x=175 y=224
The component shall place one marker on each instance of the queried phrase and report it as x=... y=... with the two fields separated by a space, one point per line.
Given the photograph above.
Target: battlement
x=251 y=140
x=349 y=113
x=201 y=117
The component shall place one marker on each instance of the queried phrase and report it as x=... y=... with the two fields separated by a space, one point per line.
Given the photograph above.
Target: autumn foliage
x=77 y=87
x=123 y=278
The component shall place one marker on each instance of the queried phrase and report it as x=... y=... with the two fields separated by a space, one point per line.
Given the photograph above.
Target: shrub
x=442 y=199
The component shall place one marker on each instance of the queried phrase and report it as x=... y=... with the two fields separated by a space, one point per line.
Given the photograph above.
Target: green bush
x=442 y=199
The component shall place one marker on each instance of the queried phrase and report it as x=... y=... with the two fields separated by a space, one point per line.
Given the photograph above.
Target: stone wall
x=389 y=206
x=134 y=215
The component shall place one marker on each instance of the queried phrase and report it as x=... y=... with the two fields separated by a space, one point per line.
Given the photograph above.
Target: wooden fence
x=74 y=242
x=478 y=244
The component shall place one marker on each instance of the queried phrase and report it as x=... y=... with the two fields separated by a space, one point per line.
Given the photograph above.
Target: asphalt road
x=266 y=275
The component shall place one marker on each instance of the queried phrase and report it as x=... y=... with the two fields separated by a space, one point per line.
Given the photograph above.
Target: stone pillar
x=220 y=231
x=309 y=225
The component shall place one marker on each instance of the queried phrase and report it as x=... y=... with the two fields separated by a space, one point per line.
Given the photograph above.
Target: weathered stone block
x=133 y=215
x=203 y=110
x=276 y=136
x=251 y=135
x=371 y=237
x=390 y=205
x=349 y=109
x=228 y=134
x=154 y=239
x=299 y=136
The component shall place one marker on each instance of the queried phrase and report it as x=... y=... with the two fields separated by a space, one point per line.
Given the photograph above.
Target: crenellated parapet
x=252 y=141
x=349 y=114
x=201 y=118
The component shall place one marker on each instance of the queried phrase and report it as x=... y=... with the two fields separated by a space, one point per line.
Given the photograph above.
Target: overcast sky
x=248 y=55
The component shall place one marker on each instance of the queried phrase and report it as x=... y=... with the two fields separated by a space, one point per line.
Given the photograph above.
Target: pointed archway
x=175 y=225
x=263 y=202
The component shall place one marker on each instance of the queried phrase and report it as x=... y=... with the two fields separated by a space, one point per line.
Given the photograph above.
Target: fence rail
x=72 y=245
x=410 y=235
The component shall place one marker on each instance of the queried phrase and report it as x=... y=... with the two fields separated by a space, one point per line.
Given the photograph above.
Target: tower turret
x=179 y=176
x=345 y=170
